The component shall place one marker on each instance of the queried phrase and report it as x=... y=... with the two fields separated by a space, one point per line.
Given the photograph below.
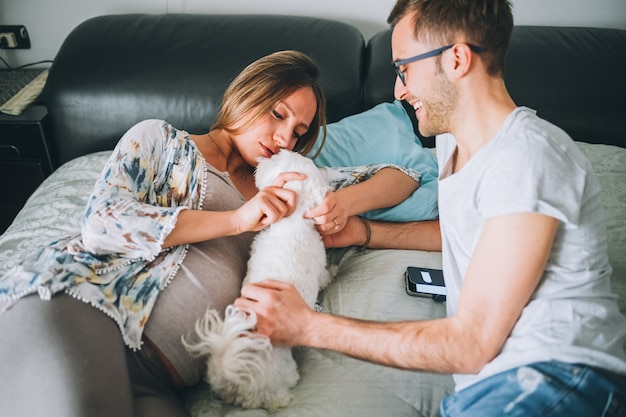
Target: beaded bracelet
x=368 y=229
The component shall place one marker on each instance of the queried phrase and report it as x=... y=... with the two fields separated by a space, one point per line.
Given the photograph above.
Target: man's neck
x=480 y=116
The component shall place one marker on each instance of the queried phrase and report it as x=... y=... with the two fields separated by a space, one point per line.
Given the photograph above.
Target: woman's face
x=289 y=119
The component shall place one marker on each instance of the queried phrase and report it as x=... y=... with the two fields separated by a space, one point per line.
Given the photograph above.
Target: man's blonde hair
x=485 y=23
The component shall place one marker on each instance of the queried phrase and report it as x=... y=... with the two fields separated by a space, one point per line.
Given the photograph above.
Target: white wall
x=49 y=21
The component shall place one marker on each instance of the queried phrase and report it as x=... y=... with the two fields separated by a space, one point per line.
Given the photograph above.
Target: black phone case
x=425 y=282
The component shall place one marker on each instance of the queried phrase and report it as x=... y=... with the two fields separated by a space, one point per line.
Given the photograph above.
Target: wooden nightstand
x=25 y=159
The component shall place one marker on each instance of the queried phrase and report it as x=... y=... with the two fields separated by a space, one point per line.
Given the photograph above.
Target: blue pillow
x=384 y=134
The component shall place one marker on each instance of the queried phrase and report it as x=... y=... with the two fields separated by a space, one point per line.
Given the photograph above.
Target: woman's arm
x=135 y=201
x=386 y=188
x=267 y=207
x=148 y=197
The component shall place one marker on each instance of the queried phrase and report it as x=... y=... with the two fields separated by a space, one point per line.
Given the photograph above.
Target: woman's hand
x=269 y=205
x=386 y=188
x=331 y=215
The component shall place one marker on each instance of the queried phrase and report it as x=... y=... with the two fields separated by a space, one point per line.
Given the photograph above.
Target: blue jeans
x=542 y=389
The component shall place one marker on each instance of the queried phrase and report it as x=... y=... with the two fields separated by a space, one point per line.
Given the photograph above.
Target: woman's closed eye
x=279 y=116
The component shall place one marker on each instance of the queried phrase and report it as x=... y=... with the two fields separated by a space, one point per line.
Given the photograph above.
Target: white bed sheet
x=369 y=285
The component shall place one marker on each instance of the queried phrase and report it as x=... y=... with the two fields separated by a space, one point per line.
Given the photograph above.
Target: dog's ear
x=265 y=173
x=318 y=194
x=269 y=168
x=311 y=191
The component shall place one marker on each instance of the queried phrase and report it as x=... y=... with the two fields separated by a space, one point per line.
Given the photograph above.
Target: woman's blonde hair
x=254 y=93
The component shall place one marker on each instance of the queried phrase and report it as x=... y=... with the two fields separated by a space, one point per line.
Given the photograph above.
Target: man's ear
x=461 y=57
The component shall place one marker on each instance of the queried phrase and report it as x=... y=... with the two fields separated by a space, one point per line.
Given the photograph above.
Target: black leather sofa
x=113 y=71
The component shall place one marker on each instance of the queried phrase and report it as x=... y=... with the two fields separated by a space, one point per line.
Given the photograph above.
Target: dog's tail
x=235 y=352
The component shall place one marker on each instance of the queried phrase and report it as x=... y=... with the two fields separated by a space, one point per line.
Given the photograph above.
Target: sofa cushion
x=384 y=134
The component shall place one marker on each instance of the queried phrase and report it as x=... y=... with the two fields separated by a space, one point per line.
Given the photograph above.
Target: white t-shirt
x=533 y=166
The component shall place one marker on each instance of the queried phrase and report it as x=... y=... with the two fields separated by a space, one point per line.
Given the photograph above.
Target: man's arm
x=504 y=271
x=419 y=235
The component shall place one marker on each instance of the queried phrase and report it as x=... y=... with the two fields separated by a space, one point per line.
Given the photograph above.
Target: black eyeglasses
x=434 y=52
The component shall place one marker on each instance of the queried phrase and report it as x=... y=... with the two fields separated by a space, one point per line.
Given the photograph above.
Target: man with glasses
x=532 y=329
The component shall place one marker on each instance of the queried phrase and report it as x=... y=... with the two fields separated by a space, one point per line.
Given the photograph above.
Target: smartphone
x=425 y=282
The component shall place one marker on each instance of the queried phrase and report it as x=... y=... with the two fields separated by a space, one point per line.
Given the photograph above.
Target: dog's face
x=311 y=191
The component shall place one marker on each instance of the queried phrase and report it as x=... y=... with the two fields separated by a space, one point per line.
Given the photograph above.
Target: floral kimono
x=117 y=263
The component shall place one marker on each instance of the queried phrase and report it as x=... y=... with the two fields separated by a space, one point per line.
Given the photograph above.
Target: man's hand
x=281 y=312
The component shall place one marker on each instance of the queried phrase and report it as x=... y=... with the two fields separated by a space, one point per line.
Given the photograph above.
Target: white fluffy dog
x=243 y=367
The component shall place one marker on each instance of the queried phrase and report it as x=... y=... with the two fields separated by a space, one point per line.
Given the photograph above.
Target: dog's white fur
x=243 y=367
